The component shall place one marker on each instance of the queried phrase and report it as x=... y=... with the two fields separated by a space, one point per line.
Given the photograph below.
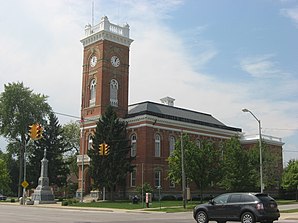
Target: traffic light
x=35 y=131
x=104 y=149
x=39 y=131
x=32 y=131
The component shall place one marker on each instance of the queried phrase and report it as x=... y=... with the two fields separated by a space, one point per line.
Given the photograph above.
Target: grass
x=168 y=206
x=164 y=206
x=282 y=202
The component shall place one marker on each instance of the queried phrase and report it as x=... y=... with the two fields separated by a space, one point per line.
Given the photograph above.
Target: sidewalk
x=289 y=216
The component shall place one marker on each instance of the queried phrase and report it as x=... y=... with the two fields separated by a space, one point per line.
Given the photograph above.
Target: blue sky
x=211 y=56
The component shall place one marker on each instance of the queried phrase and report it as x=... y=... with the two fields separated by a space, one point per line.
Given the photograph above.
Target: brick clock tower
x=104 y=82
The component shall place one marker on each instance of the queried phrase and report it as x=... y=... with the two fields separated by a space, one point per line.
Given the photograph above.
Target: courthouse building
x=152 y=128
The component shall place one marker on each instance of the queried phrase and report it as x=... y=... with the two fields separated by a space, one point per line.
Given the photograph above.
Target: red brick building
x=153 y=128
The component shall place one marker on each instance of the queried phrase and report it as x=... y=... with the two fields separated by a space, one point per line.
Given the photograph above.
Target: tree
x=4 y=177
x=71 y=135
x=56 y=147
x=290 y=176
x=239 y=174
x=145 y=188
x=19 y=108
x=110 y=170
x=12 y=168
x=269 y=165
x=200 y=162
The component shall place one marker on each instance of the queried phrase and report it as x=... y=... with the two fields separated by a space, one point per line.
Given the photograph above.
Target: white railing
x=105 y=25
x=264 y=137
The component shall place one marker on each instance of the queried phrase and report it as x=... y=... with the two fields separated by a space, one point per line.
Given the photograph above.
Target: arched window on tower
x=90 y=141
x=92 y=92
x=157 y=145
x=133 y=150
x=114 y=93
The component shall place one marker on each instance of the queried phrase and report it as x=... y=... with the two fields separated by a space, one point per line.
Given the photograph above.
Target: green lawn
x=169 y=205
x=166 y=206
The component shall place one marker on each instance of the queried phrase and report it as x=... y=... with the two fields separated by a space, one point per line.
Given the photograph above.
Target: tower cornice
x=106 y=31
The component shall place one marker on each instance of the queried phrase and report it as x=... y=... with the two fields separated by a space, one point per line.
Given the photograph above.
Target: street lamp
x=183 y=172
x=260 y=147
x=83 y=152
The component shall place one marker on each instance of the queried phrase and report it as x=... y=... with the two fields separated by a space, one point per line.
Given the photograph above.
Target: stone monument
x=43 y=193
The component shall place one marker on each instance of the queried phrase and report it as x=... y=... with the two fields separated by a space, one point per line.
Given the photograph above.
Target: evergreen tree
x=55 y=146
x=111 y=170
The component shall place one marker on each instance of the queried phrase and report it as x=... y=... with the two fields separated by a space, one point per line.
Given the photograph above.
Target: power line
x=71 y=116
x=278 y=129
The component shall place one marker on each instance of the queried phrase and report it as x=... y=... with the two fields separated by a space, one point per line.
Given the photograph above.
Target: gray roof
x=174 y=113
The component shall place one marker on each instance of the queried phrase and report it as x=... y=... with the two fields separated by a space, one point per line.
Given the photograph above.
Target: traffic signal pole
x=25 y=170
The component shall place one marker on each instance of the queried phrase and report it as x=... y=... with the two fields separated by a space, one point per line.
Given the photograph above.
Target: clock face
x=93 y=61
x=115 y=61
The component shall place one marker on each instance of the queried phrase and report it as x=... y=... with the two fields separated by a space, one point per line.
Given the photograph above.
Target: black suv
x=244 y=207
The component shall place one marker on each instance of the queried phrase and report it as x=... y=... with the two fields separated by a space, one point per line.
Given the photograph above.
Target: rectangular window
x=133 y=178
x=157 y=145
x=157 y=178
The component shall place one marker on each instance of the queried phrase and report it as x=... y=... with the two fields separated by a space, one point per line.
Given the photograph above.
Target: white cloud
x=260 y=66
x=42 y=49
x=291 y=13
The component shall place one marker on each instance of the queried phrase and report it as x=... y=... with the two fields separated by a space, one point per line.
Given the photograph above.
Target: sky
x=216 y=57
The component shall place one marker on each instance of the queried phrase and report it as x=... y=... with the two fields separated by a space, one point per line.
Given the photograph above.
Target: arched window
x=157 y=145
x=114 y=93
x=133 y=150
x=92 y=92
x=90 y=141
x=198 y=143
x=172 y=144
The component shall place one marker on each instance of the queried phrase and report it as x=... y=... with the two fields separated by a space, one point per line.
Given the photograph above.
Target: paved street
x=32 y=214
x=54 y=213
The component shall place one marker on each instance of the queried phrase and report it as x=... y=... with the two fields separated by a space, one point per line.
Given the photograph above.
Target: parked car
x=244 y=207
x=2 y=197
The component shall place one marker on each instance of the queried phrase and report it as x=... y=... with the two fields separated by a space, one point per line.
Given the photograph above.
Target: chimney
x=168 y=101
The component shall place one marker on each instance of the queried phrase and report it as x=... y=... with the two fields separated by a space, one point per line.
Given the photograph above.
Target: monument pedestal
x=43 y=193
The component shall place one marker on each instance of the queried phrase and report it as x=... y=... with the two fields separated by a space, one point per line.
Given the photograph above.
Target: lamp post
x=83 y=152
x=183 y=172
x=260 y=147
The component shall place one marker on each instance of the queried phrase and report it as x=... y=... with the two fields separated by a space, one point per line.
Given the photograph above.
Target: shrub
x=168 y=198
x=64 y=203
